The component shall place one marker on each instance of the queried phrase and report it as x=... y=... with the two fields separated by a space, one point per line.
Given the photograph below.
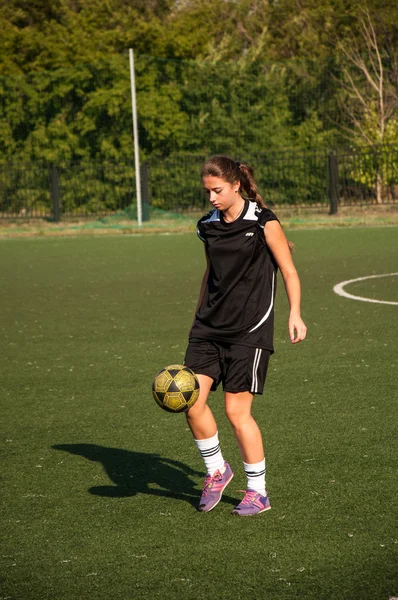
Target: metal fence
x=305 y=179
x=322 y=179
x=36 y=190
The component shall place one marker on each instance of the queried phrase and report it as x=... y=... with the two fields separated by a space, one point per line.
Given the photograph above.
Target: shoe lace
x=249 y=497
x=209 y=480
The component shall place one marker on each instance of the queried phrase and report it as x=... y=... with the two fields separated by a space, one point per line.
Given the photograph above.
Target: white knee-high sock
x=211 y=453
x=256 y=476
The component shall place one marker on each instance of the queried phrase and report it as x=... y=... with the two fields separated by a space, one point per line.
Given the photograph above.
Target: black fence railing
x=35 y=190
x=290 y=179
x=293 y=178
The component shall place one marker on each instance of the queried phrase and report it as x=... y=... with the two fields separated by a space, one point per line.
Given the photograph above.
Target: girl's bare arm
x=277 y=243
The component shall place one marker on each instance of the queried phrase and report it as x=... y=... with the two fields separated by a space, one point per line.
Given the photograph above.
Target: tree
x=370 y=85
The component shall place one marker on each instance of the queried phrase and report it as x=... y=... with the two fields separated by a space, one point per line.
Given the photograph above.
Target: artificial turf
x=99 y=486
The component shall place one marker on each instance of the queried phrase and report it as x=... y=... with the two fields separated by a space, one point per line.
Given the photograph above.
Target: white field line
x=339 y=289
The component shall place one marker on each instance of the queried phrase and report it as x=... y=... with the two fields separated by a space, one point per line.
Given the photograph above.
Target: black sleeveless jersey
x=238 y=304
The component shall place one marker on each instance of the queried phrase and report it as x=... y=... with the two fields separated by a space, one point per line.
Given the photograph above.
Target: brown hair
x=232 y=171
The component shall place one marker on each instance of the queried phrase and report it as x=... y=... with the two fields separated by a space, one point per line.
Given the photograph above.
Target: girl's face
x=221 y=194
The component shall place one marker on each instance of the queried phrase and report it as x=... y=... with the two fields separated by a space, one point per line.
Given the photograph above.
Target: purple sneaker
x=214 y=487
x=252 y=504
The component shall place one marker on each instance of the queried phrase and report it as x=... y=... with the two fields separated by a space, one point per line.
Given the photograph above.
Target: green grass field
x=99 y=486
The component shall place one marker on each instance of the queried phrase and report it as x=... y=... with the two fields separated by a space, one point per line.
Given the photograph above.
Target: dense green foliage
x=247 y=75
x=240 y=77
x=100 y=486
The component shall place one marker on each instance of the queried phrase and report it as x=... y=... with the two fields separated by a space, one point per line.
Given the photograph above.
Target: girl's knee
x=237 y=416
x=197 y=410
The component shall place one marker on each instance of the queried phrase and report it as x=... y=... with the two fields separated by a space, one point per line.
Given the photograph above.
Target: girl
x=231 y=338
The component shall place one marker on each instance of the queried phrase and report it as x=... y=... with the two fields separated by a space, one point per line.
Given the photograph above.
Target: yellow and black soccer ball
x=175 y=388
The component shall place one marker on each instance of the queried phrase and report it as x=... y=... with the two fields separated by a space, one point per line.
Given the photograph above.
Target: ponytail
x=248 y=184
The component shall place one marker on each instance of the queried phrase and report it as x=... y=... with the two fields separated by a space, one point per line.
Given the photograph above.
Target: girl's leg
x=247 y=432
x=248 y=435
x=200 y=419
x=204 y=429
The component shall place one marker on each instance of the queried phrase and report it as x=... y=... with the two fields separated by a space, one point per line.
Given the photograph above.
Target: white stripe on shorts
x=256 y=364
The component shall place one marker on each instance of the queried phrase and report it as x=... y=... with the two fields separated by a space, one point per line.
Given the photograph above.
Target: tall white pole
x=135 y=132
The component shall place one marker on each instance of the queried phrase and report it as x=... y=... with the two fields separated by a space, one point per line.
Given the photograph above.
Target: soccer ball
x=175 y=388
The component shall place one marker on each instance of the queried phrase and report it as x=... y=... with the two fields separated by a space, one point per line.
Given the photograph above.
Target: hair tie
x=238 y=164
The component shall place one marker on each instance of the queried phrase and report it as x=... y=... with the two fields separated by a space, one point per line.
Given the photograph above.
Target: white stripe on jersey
x=256 y=364
x=267 y=314
x=252 y=213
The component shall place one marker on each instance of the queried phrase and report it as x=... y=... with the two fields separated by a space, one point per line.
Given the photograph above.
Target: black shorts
x=239 y=368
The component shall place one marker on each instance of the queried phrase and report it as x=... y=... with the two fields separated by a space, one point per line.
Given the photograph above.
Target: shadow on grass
x=140 y=473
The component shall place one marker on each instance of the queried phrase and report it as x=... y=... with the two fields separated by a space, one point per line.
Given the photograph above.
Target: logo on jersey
x=249 y=234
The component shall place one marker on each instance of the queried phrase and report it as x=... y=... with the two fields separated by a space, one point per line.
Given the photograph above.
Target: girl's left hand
x=297 y=329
